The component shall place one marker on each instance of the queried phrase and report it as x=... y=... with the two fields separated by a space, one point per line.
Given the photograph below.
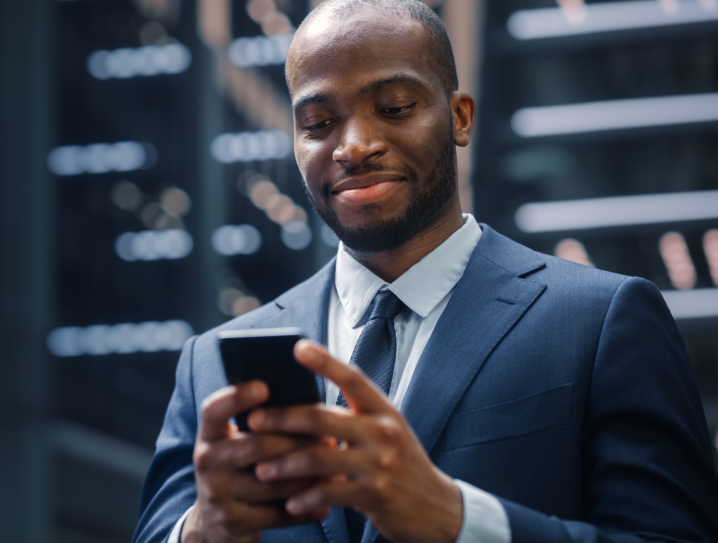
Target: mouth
x=365 y=182
x=366 y=189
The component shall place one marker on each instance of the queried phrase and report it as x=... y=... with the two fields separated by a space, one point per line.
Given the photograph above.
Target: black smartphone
x=268 y=355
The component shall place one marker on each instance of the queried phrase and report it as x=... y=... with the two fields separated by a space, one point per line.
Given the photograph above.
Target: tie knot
x=386 y=306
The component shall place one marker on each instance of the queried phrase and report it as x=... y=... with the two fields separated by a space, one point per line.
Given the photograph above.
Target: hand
x=232 y=505
x=382 y=471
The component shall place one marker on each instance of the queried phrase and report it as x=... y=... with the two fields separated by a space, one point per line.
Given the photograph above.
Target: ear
x=462 y=115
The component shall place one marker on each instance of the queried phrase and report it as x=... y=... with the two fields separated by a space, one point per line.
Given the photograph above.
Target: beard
x=423 y=209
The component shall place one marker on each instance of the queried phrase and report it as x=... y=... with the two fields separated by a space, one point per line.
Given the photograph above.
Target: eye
x=395 y=111
x=317 y=127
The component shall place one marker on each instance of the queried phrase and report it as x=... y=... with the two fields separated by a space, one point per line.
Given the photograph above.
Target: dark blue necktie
x=374 y=354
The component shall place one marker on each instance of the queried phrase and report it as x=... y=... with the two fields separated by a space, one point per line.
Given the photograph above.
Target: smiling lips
x=366 y=189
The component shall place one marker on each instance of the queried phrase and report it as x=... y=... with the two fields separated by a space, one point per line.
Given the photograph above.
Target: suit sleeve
x=169 y=489
x=648 y=469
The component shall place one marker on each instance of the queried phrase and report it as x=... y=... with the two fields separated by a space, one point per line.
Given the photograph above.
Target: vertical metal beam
x=210 y=174
x=26 y=202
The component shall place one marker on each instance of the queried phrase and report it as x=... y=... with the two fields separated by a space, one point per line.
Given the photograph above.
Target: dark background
x=79 y=418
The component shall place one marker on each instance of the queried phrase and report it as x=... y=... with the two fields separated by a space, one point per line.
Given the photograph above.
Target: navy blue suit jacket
x=563 y=390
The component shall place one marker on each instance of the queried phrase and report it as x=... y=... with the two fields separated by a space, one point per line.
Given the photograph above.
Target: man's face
x=373 y=128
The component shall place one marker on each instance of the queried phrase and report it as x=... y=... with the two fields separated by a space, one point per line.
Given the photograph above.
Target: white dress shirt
x=425 y=289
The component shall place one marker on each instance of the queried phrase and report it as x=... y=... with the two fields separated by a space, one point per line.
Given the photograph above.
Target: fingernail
x=294 y=506
x=253 y=392
x=260 y=389
x=256 y=419
x=266 y=471
x=305 y=347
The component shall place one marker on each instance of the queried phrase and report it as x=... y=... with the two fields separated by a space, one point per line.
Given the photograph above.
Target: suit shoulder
x=255 y=317
x=585 y=285
x=559 y=271
x=557 y=274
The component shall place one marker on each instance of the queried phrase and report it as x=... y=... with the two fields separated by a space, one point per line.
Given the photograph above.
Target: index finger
x=359 y=392
x=220 y=406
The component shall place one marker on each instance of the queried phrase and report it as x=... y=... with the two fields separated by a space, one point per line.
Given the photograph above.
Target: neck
x=390 y=265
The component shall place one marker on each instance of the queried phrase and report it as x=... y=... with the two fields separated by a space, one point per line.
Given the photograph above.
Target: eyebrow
x=398 y=79
x=374 y=86
x=304 y=101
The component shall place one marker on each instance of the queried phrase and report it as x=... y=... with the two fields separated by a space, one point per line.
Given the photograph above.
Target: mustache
x=362 y=169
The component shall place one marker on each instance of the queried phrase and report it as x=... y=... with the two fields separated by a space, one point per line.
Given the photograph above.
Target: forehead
x=341 y=55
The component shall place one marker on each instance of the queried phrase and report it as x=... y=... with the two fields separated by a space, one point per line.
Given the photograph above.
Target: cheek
x=313 y=160
x=422 y=141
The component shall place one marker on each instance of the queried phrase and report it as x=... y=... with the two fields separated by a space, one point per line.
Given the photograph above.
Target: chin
x=377 y=235
x=366 y=219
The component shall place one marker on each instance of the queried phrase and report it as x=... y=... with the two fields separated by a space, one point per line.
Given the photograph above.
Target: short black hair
x=419 y=12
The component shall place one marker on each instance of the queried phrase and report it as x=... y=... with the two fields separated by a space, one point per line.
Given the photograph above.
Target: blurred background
x=148 y=191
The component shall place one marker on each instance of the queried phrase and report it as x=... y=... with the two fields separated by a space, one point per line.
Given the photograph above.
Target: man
x=516 y=397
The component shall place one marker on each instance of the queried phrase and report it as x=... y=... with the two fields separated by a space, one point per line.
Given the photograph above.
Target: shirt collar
x=421 y=287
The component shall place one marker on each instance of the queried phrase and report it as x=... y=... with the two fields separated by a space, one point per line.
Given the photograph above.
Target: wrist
x=445 y=515
x=191 y=532
x=455 y=516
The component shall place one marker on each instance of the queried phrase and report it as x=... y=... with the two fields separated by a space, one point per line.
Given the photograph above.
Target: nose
x=359 y=140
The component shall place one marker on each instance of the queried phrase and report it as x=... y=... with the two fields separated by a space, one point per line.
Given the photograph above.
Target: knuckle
x=388 y=429
x=271 y=418
x=379 y=488
x=224 y=515
x=248 y=448
x=384 y=460
x=215 y=493
x=208 y=407
x=297 y=464
x=202 y=457
x=318 y=495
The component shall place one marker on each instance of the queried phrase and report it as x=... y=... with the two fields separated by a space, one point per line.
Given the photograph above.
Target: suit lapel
x=306 y=305
x=487 y=302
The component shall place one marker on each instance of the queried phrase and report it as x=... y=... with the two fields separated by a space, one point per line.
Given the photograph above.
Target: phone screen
x=268 y=355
